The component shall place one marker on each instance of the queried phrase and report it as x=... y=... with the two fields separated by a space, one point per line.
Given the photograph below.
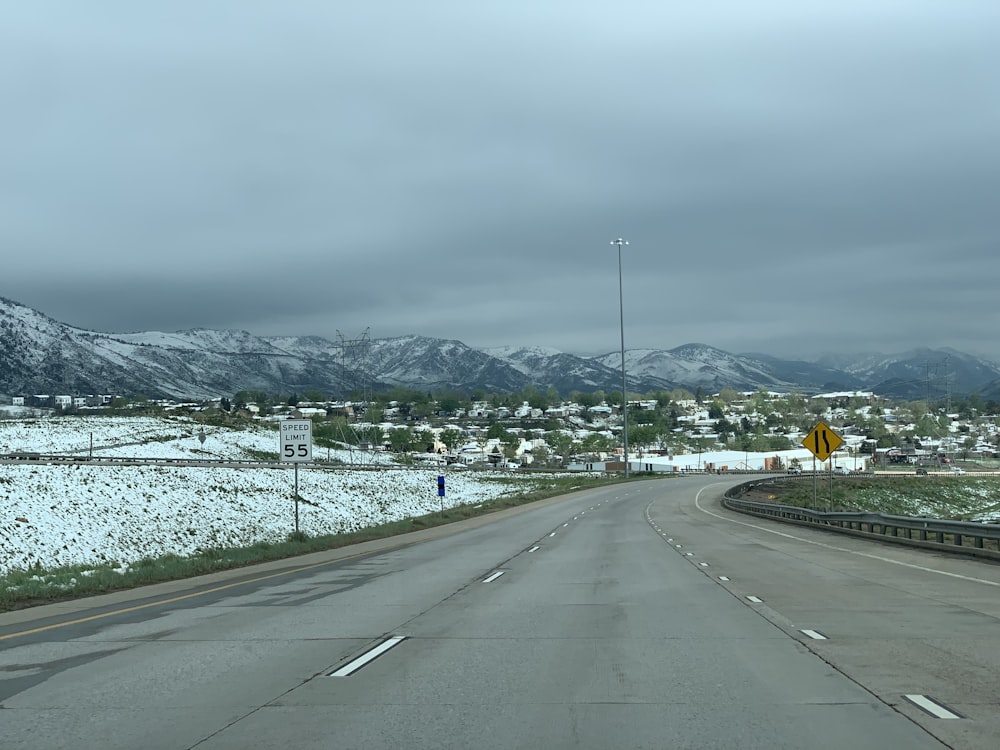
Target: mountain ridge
x=41 y=355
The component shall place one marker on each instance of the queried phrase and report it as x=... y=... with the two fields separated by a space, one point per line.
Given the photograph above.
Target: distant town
x=667 y=431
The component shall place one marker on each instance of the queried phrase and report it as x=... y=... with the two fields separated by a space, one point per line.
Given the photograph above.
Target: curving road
x=614 y=618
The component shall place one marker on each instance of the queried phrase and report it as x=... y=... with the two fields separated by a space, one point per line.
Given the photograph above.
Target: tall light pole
x=621 y=319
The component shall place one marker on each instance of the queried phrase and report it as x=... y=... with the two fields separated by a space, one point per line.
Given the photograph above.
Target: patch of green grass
x=25 y=588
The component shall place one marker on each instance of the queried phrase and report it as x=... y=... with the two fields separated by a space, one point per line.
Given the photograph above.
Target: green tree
x=560 y=442
x=539 y=401
x=716 y=409
x=818 y=406
x=423 y=439
x=599 y=442
x=778 y=443
x=663 y=399
x=541 y=456
x=451 y=402
x=401 y=439
x=729 y=395
x=642 y=436
x=421 y=409
x=637 y=415
x=760 y=401
x=452 y=438
x=498 y=431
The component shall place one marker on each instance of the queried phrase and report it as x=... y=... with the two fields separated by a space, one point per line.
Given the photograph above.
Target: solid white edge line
x=697 y=503
x=815 y=635
x=353 y=666
x=931 y=706
x=493 y=577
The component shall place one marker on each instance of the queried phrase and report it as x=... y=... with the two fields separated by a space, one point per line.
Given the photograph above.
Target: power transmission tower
x=932 y=371
x=356 y=371
x=355 y=363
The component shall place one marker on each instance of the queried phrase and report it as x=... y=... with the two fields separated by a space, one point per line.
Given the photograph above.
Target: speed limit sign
x=296 y=440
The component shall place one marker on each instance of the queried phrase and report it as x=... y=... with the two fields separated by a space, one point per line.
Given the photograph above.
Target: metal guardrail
x=964 y=537
x=238 y=463
x=53 y=458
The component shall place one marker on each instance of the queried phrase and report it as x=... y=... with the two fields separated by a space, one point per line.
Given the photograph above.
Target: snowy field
x=64 y=514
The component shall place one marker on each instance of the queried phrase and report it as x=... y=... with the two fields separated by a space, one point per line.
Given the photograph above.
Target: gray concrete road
x=581 y=623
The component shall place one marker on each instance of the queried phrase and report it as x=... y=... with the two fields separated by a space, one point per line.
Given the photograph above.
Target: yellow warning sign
x=822 y=441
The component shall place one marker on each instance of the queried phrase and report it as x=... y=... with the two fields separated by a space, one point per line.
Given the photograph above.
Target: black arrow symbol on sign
x=826 y=441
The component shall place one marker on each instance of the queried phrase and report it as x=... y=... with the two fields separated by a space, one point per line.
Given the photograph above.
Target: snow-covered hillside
x=87 y=514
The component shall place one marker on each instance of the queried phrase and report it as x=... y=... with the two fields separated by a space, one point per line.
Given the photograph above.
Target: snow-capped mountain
x=698 y=365
x=566 y=372
x=41 y=355
x=428 y=364
x=918 y=373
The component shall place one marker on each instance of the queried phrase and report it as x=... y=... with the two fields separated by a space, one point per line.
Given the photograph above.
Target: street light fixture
x=621 y=319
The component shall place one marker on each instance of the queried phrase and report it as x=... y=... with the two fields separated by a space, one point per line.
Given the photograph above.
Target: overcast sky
x=792 y=177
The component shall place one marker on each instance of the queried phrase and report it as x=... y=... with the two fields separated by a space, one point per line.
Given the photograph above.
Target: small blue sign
x=440 y=486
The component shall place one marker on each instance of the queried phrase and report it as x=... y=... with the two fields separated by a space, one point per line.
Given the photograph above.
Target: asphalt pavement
x=642 y=615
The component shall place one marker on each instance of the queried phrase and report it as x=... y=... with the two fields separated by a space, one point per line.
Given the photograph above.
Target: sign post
x=296 y=446
x=822 y=441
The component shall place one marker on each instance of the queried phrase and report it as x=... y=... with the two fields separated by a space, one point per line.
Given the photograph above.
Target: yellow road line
x=173 y=599
x=435 y=532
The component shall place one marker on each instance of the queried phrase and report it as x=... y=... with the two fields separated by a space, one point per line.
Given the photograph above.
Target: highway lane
x=598 y=632
x=898 y=620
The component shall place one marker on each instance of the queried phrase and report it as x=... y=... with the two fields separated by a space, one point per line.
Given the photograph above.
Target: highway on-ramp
x=641 y=615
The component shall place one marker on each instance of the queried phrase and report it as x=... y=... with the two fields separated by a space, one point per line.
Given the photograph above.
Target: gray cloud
x=792 y=179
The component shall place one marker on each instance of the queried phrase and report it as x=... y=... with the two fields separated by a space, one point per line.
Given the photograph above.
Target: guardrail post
x=877 y=524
